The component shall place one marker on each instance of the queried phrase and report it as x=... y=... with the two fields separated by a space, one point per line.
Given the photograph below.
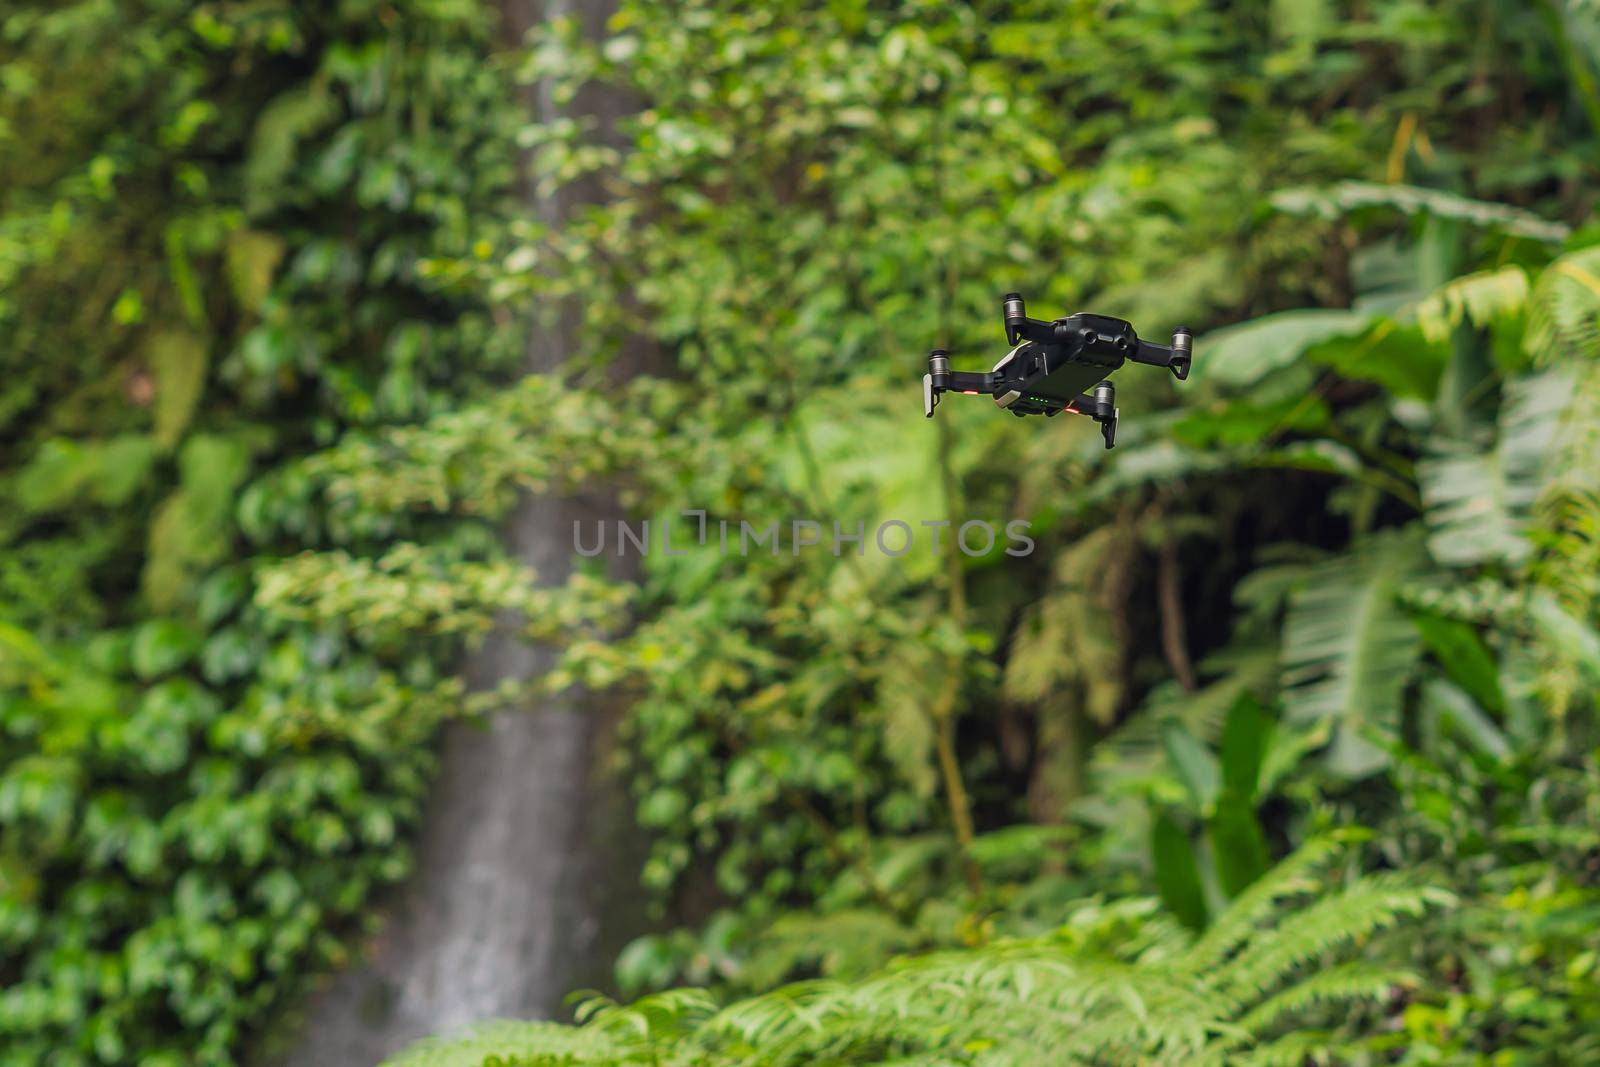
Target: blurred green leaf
x=1238 y=846
x=161 y=646
x=178 y=359
x=1464 y=657
x=1196 y=766
x=1177 y=874
x=1240 y=355
x=1246 y=735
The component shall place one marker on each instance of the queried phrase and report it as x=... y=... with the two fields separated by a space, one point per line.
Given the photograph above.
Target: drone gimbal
x=1052 y=364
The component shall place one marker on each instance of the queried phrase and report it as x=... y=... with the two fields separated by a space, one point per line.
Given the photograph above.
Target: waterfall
x=524 y=887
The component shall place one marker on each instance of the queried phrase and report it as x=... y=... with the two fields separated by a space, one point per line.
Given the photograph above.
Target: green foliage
x=261 y=291
x=1176 y=872
x=1348 y=517
x=827 y=137
x=1348 y=648
x=1114 y=985
x=215 y=223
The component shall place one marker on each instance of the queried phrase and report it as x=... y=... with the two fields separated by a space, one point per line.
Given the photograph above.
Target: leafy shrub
x=214 y=241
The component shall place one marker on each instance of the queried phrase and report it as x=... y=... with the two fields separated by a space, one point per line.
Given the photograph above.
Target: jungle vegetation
x=1278 y=748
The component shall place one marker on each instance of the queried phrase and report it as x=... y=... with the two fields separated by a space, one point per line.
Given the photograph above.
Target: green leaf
x=252 y=257
x=1242 y=422
x=229 y=654
x=287 y=120
x=178 y=359
x=1393 y=355
x=221 y=594
x=65 y=472
x=1246 y=353
x=1245 y=736
x=1452 y=704
x=158 y=732
x=161 y=646
x=1465 y=658
x=1196 y=766
x=1177 y=873
x=1238 y=846
x=193 y=527
x=1341 y=198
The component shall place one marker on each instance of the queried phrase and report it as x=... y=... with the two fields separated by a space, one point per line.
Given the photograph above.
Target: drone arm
x=1026 y=329
x=1178 y=356
x=941 y=379
x=1100 y=404
x=969 y=382
x=1020 y=328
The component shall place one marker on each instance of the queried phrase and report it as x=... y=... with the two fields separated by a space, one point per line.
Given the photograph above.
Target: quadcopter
x=1058 y=366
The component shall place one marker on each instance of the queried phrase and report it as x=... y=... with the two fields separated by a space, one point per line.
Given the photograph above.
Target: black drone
x=1058 y=366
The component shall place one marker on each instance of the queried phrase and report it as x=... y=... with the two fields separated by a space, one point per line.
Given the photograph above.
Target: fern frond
x=1064 y=999
x=523 y=1044
x=670 y=1015
x=1342 y=984
x=794 y=1010
x=1296 y=875
x=1566 y=518
x=843 y=944
x=1291 y=1050
x=1570 y=567
x=1337 y=921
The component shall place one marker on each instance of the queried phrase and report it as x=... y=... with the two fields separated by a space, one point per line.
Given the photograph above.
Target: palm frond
x=1342 y=198
x=1564 y=309
x=1479 y=501
x=1480 y=299
x=1348 y=647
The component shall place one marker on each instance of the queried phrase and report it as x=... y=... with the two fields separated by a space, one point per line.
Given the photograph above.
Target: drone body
x=1058 y=366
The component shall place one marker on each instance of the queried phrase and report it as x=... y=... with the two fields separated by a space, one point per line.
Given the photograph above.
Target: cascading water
x=519 y=862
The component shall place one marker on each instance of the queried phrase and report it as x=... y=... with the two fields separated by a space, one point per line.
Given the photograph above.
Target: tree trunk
x=526 y=881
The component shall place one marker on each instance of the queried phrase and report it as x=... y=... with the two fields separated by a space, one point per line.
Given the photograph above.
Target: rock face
x=524 y=885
